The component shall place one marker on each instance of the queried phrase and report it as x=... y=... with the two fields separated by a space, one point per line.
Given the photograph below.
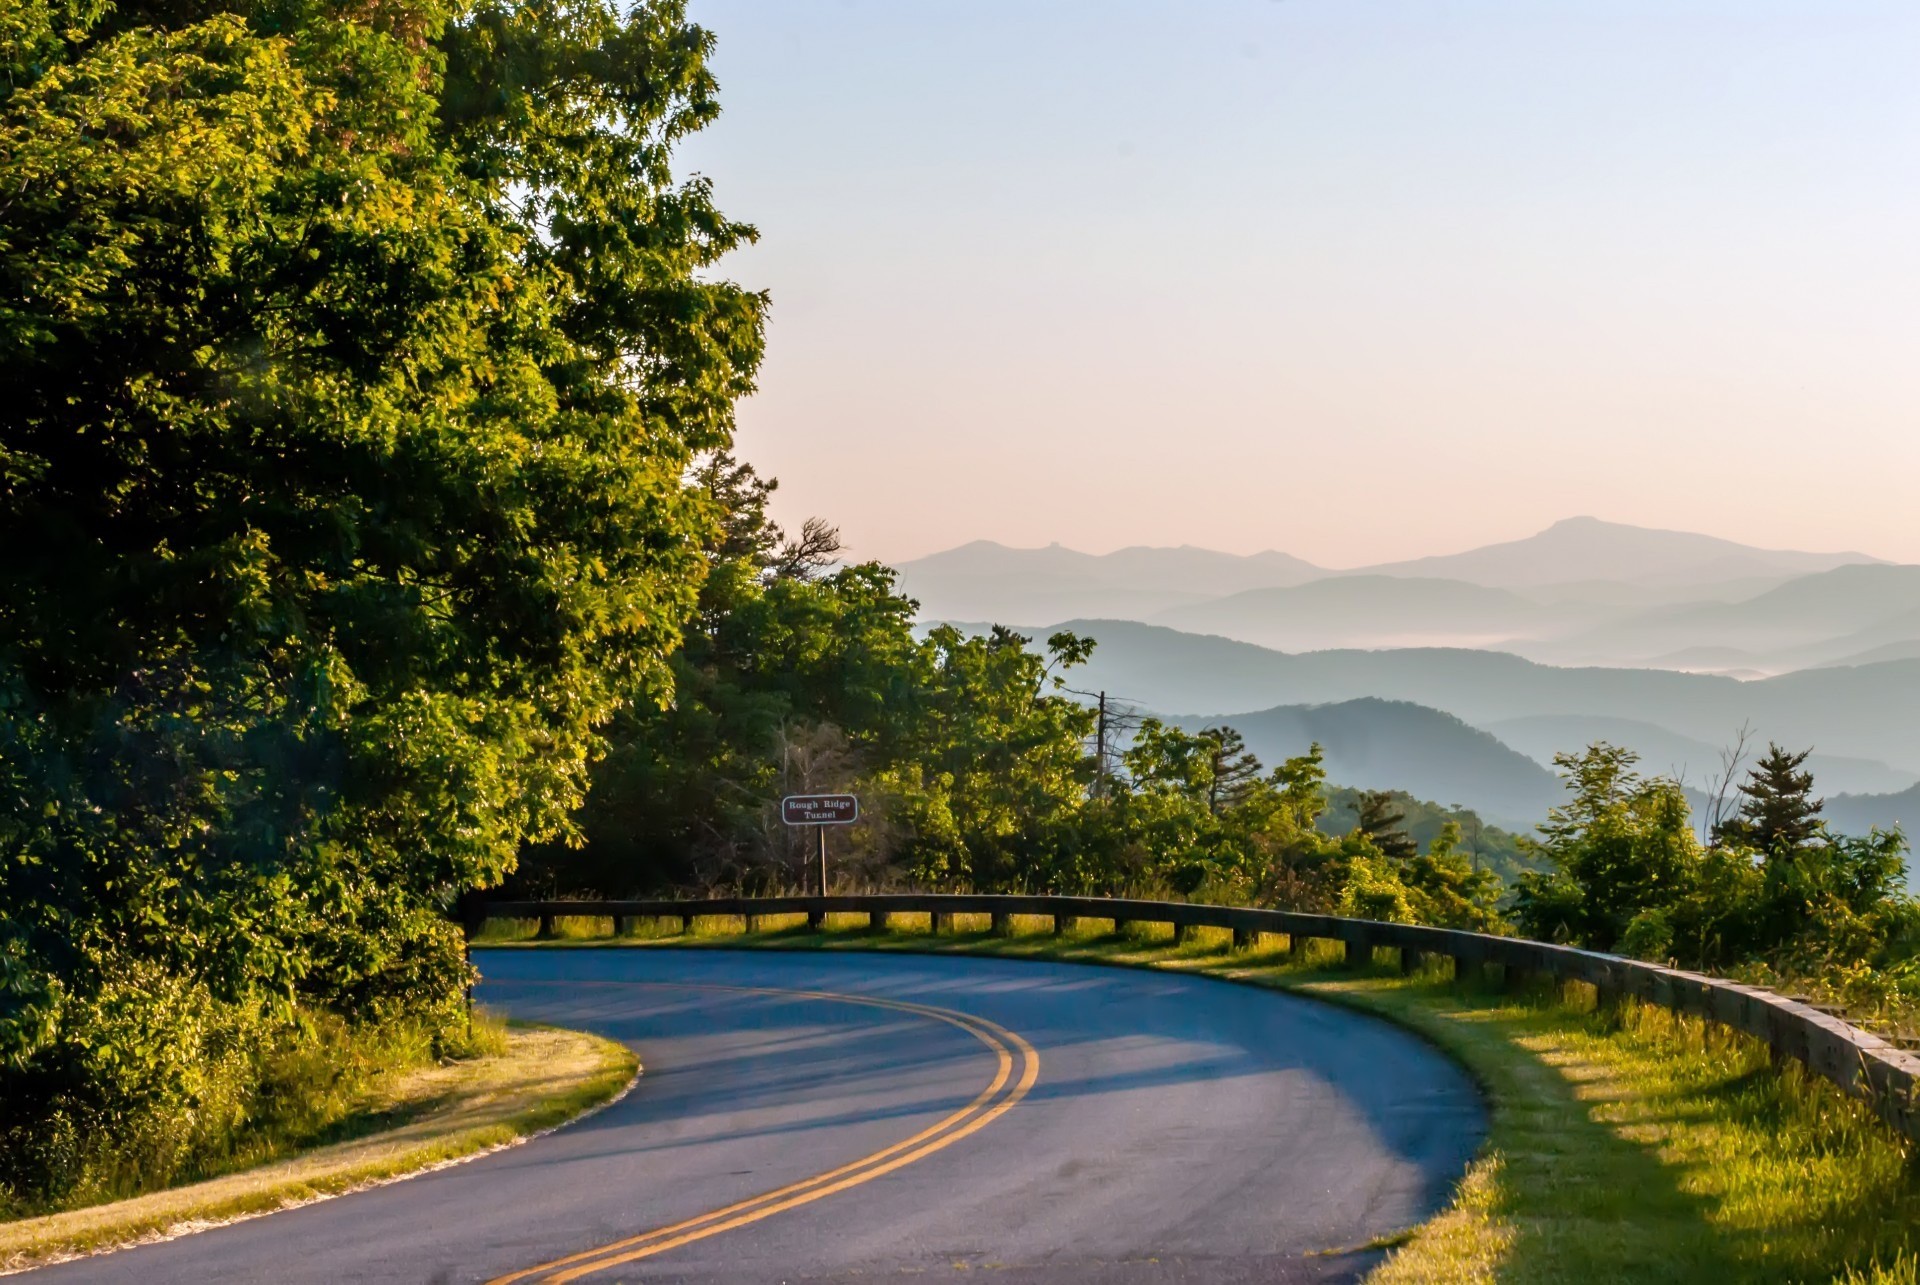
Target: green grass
x=1628 y=1145
x=533 y=1079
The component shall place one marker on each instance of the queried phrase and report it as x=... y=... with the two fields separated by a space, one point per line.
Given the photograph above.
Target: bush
x=159 y=1083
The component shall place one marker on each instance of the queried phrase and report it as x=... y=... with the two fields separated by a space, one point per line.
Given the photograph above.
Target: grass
x=406 y=1122
x=1624 y=1145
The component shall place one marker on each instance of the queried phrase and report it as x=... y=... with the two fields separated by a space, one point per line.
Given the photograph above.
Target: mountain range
x=988 y=581
x=1457 y=678
x=1374 y=744
x=1582 y=592
x=1668 y=753
x=1380 y=745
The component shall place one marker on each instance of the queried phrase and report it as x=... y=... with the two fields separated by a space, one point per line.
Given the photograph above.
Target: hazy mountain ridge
x=1823 y=616
x=1424 y=675
x=1586 y=548
x=984 y=580
x=1373 y=744
x=1858 y=813
x=1688 y=759
x=1867 y=712
x=1373 y=611
x=1581 y=592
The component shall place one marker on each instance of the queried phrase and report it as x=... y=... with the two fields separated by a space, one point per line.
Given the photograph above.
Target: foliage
x=1385 y=825
x=1620 y=845
x=236 y=1089
x=974 y=767
x=1777 y=807
x=1629 y=874
x=354 y=358
x=1452 y=890
x=1484 y=845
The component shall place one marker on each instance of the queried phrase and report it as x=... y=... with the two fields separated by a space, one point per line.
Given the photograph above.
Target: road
x=809 y=1117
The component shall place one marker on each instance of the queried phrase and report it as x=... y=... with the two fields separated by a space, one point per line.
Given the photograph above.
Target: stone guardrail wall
x=1859 y=1062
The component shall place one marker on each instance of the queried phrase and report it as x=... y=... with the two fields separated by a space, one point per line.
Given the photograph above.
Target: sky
x=1357 y=281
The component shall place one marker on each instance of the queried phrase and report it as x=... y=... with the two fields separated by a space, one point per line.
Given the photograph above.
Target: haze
x=1359 y=282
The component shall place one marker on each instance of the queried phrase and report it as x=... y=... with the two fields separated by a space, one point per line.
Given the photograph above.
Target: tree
x=992 y=769
x=1620 y=845
x=1164 y=758
x=354 y=359
x=1450 y=890
x=776 y=646
x=1301 y=783
x=1385 y=825
x=1232 y=772
x=1722 y=783
x=1778 y=814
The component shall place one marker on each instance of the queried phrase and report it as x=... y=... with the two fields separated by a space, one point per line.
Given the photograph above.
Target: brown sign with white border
x=820 y=809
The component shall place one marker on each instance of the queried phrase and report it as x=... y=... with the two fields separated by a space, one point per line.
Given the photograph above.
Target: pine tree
x=1778 y=813
x=1386 y=825
x=1235 y=769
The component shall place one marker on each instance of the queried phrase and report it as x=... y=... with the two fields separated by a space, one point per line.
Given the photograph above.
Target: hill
x=1858 y=813
x=1686 y=758
x=1487 y=845
x=1808 y=620
x=1865 y=711
x=1586 y=548
x=1395 y=745
x=1373 y=611
x=988 y=581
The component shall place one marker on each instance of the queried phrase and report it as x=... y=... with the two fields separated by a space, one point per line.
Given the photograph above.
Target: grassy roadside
x=1626 y=1146
x=422 y=1119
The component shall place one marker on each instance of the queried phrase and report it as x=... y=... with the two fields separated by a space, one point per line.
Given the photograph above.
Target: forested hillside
x=1397 y=745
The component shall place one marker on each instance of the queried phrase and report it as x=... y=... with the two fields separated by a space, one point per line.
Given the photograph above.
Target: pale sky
x=1356 y=279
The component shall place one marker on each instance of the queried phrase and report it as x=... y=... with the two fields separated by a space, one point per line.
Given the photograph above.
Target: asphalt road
x=863 y=1117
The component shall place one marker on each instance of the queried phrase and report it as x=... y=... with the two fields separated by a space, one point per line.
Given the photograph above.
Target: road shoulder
x=546 y=1078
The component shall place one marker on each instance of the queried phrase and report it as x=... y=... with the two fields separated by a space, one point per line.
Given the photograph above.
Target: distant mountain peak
x=1587 y=548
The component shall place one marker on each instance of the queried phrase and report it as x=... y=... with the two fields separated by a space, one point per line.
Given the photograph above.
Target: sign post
x=820 y=811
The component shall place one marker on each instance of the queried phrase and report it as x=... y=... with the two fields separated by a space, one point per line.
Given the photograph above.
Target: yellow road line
x=976 y=1115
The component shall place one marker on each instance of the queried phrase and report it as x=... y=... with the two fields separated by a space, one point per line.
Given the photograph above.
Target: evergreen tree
x=1386 y=825
x=1778 y=813
x=1235 y=771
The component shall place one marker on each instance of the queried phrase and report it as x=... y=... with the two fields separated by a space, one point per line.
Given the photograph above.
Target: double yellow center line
x=1009 y=1085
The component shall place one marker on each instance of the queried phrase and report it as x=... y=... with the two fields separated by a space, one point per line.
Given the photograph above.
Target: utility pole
x=1100 y=753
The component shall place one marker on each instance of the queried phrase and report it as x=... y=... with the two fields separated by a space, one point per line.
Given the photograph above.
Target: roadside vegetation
x=247 y=1094
x=1624 y=1144
x=387 y=1124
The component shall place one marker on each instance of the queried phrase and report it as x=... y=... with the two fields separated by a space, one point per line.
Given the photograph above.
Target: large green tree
x=1622 y=844
x=352 y=358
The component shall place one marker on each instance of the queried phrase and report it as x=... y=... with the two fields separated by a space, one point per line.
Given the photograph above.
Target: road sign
x=820 y=809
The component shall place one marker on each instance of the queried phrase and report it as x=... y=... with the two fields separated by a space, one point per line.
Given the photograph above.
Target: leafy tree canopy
x=353 y=358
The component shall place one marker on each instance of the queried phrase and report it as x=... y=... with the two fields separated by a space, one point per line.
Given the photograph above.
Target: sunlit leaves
x=352 y=359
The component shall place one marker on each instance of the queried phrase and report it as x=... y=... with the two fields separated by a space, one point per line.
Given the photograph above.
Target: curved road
x=865 y=1117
